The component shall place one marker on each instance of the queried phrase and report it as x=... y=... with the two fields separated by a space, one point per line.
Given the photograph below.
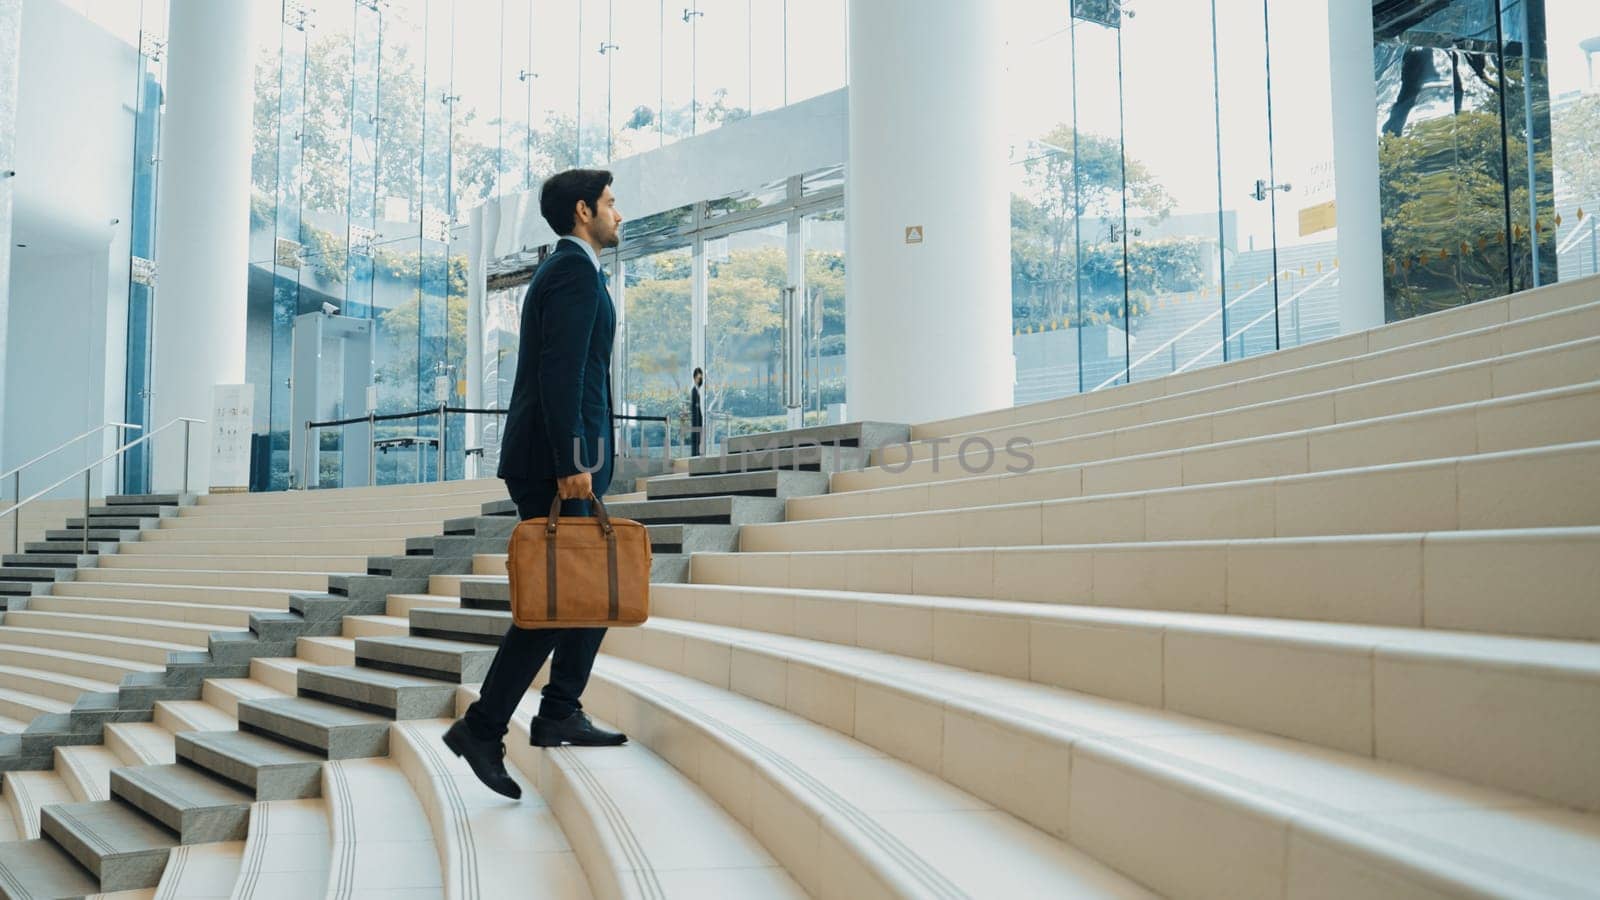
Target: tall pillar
x=1355 y=164
x=10 y=53
x=928 y=322
x=203 y=229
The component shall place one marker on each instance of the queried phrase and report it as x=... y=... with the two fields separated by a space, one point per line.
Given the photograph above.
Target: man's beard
x=613 y=241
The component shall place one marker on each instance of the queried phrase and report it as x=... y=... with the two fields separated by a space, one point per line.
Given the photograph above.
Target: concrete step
x=279 y=673
x=267 y=768
x=1314 y=398
x=313 y=516
x=86 y=771
x=127 y=649
x=289 y=581
x=446 y=660
x=119 y=845
x=351 y=547
x=1130 y=766
x=156 y=630
x=847 y=434
x=70 y=668
x=286 y=853
x=367 y=530
x=59 y=686
x=721 y=510
x=225 y=617
x=1542 y=487
x=487 y=847
x=381 y=838
x=351 y=564
x=1077 y=467
x=128 y=522
x=326 y=651
x=1480 y=328
x=179 y=500
x=110 y=535
x=67 y=561
x=1438 y=580
x=196 y=806
x=1327 y=684
x=800 y=459
x=31 y=573
x=139 y=743
x=335 y=731
x=28 y=793
x=39 y=868
x=891 y=829
x=444 y=592
x=766 y=483
x=223 y=696
x=373 y=626
x=256 y=598
x=40 y=551
x=478 y=626
x=390 y=694
x=201 y=870
x=676 y=539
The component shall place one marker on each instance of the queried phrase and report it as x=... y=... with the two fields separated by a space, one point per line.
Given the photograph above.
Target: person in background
x=697 y=417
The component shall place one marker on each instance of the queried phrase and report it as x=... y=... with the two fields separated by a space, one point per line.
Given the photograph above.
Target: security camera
x=329 y=309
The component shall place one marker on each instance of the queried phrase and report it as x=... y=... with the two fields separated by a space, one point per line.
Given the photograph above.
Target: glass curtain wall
x=1172 y=173
x=379 y=123
x=716 y=272
x=148 y=94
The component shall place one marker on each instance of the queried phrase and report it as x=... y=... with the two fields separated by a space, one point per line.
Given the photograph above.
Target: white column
x=202 y=242
x=928 y=324
x=1355 y=164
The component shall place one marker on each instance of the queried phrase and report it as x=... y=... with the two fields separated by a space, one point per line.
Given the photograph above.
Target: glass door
x=747 y=273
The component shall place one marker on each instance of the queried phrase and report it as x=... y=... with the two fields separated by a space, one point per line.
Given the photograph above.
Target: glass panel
x=1247 y=301
x=1530 y=184
x=823 y=234
x=475 y=150
x=815 y=54
x=594 y=81
x=287 y=249
x=636 y=77
x=677 y=70
x=721 y=63
x=364 y=115
x=1044 y=247
x=502 y=329
x=771 y=194
x=1574 y=52
x=1442 y=164
x=1306 y=236
x=516 y=81
x=555 y=92
x=325 y=143
x=1174 y=246
x=656 y=341
x=746 y=273
x=822 y=180
x=1101 y=222
x=766 y=54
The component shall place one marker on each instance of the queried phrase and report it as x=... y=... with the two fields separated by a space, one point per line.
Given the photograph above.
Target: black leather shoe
x=575 y=729
x=487 y=760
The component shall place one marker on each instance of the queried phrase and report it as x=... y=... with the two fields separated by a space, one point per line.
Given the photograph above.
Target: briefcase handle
x=600 y=510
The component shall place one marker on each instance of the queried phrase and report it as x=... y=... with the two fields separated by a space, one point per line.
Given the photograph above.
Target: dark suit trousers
x=523 y=650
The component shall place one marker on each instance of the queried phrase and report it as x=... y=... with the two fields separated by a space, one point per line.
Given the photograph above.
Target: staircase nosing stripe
x=643 y=869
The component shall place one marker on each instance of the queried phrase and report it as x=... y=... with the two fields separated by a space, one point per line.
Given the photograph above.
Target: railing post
x=440 y=477
x=16 y=517
x=372 y=448
x=305 y=471
x=88 y=475
x=186 y=429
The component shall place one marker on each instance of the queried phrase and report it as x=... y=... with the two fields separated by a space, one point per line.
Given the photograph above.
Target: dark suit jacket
x=695 y=417
x=561 y=398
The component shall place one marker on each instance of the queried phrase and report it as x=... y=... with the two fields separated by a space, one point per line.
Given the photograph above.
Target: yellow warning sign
x=1320 y=217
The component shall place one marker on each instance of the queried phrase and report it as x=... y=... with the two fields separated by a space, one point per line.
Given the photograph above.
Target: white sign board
x=232 y=421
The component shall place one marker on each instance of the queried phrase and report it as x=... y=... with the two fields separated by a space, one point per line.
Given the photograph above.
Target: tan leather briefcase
x=579 y=572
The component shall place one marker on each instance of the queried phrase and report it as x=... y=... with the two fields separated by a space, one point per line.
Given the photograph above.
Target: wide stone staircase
x=1321 y=623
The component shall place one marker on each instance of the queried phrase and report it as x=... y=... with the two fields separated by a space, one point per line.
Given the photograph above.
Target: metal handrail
x=372 y=419
x=88 y=475
x=16 y=474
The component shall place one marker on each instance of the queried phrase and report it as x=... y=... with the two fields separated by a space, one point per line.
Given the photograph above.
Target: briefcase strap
x=613 y=602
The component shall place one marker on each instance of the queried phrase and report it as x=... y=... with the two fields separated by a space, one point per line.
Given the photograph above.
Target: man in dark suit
x=557 y=442
x=697 y=419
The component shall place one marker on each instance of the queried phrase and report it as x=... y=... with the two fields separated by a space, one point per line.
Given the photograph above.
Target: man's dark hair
x=561 y=192
x=698 y=371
